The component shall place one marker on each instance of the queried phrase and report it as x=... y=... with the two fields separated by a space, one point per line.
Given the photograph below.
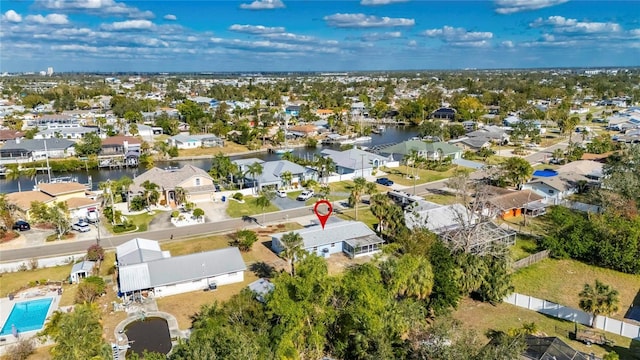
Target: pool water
x=545 y=173
x=27 y=316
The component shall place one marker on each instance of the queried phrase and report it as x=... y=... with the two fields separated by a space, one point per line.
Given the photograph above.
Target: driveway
x=287 y=204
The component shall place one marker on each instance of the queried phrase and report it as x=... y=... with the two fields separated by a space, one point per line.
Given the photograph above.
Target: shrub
x=198 y=212
x=90 y=289
x=20 y=350
x=238 y=196
x=95 y=252
x=33 y=264
x=175 y=213
x=244 y=239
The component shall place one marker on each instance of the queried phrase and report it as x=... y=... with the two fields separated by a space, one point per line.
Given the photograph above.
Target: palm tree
x=254 y=170
x=325 y=166
x=409 y=276
x=558 y=154
x=292 y=243
x=149 y=189
x=286 y=177
x=360 y=187
x=380 y=207
x=180 y=195
x=264 y=201
x=600 y=299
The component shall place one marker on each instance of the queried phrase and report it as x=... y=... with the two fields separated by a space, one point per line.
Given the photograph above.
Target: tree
x=244 y=239
x=90 y=289
x=497 y=281
x=360 y=187
x=286 y=177
x=325 y=166
x=180 y=195
x=6 y=215
x=431 y=128
x=198 y=213
x=77 y=334
x=382 y=208
x=20 y=350
x=292 y=243
x=150 y=191
x=568 y=125
x=57 y=215
x=255 y=170
x=264 y=200
x=91 y=145
x=95 y=252
x=516 y=170
x=222 y=167
x=599 y=299
x=408 y=276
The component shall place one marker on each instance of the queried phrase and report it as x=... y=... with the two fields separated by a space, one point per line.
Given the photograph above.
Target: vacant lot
x=483 y=317
x=403 y=175
x=561 y=281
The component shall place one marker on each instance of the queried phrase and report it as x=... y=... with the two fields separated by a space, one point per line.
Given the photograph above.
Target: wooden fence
x=531 y=259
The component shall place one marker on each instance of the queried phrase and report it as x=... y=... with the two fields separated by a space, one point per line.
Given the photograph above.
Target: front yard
x=236 y=209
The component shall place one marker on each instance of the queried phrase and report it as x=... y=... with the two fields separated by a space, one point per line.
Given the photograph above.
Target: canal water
x=390 y=136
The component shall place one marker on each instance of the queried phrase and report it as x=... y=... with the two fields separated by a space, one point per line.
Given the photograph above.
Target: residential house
x=435 y=151
x=491 y=133
x=510 y=203
x=54 y=122
x=36 y=149
x=292 y=110
x=305 y=130
x=144 y=270
x=22 y=200
x=471 y=143
x=145 y=132
x=66 y=133
x=6 y=135
x=197 y=184
x=120 y=145
x=81 y=270
x=353 y=238
x=359 y=108
x=184 y=141
x=354 y=163
x=74 y=194
x=438 y=218
x=444 y=114
x=568 y=179
x=271 y=176
x=324 y=113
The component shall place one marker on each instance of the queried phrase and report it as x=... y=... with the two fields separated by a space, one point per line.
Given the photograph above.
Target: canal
x=391 y=135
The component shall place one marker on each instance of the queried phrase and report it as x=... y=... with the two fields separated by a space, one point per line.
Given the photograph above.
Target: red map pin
x=323 y=217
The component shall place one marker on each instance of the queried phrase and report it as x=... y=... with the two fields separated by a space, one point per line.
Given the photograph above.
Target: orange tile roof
x=119 y=140
x=324 y=111
x=76 y=203
x=22 y=200
x=56 y=189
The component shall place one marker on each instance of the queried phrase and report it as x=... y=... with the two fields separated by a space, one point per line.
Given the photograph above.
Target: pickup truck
x=81 y=226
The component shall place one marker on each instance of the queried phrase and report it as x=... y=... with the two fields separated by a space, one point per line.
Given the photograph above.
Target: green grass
x=445 y=198
x=364 y=215
x=483 y=317
x=400 y=175
x=141 y=221
x=13 y=281
x=561 y=281
x=249 y=207
x=525 y=246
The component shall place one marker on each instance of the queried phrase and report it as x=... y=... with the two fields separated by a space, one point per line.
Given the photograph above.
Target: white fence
x=566 y=313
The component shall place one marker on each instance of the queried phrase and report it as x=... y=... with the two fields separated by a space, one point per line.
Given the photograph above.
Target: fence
x=566 y=313
x=531 y=259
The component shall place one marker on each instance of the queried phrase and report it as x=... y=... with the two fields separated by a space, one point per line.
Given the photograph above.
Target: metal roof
x=83 y=266
x=137 y=251
x=134 y=277
x=332 y=233
x=38 y=144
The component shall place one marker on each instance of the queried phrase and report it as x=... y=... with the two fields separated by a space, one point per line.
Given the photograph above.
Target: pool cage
x=479 y=238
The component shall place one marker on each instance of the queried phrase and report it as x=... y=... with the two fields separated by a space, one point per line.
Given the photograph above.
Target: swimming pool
x=27 y=316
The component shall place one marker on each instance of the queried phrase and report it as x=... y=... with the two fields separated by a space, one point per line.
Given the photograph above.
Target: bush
x=90 y=289
x=20 y=350
x=198 y=212
x=175 y=213
x=312 y=143
x=126 y=226
x=244 y=239
x=238 y=196
x=95 y=252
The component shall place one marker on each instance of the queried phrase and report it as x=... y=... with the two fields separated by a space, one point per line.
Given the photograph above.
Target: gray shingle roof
x=179 y=269
x=38 y=144
x=352 y=158
x=406 y=147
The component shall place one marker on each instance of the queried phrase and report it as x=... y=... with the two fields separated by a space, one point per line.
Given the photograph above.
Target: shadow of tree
x=262 y=269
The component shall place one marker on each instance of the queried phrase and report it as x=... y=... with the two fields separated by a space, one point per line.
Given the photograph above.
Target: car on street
x=281 y=193
x=21 y=225
x=305 y=195
x=81 y=226
x=384 y=181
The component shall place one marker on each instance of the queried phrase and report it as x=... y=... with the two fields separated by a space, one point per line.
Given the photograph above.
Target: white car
x=81 y=226
x=281 y=193
x=305 y=195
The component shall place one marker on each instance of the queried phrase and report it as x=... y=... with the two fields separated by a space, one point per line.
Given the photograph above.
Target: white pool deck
x=6 y=306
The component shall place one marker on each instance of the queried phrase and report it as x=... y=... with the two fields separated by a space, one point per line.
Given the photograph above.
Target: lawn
x=402 y=175
x=364 y=215
x=443 y=198
x=13 y=281
x=249 y=207
x=141 y=221
x=483 y=317
x=228 y=148
x=561 y=281
x=525 y=246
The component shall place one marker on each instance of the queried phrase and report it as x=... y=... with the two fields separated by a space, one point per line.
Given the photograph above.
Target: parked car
x=281 y=193
x=384 y=181
x=81 y=226
x=305 y=195
x=21 y=225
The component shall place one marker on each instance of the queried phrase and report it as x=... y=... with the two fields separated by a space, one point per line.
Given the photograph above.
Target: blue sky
x=316 y=35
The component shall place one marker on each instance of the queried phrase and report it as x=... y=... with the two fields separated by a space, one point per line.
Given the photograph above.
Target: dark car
x=384 y=181
x=21 y=225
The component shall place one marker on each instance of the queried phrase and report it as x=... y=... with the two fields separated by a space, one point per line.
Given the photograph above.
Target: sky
x=315 y=35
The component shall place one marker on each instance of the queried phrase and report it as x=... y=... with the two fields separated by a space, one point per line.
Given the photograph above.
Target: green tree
x=255 y=170
x=360 y=187
x=6 y=215
x=325 y=166
x=286 y=177
x=264 y=200
x=90 y=289
x=292 y=249
x=408 y=276
x=496 y=284
x=150 y=191
x=244 y=239
x=91 y=145
x=222 y=167
x=516 y=170
x=198 y=213
x=56 y=215
x=382 y=208
x=76 y=334
x=599 y=299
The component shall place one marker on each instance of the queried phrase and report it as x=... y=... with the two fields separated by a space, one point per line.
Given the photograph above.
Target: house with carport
x=144 y=270
x=353 y=238
x=197 y=184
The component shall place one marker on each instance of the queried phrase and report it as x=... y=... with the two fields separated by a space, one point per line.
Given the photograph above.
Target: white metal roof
x=138 y=250
x=332 y=233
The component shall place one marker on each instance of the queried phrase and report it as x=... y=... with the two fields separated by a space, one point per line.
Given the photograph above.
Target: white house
x=65 y=133
x=157 y=275
x=568 y=180
x=354 y=238
x=357 y=163
x=184 y=141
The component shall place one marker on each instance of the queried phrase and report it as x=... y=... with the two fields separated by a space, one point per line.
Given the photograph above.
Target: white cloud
x=170 y=17
x=97 y=7
x=263 y=5
x=50 y=19
x=412 y=43
x=635 y=32
x=129 y=25
x=572 y=26
x=507 y=44
x=514 y=6
x=381 y=36
x=256 y=29
x=75 y=47
x=380 y=2
x=451 y=34
x=271 y=46
x=365 y=21
x=11 y=16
